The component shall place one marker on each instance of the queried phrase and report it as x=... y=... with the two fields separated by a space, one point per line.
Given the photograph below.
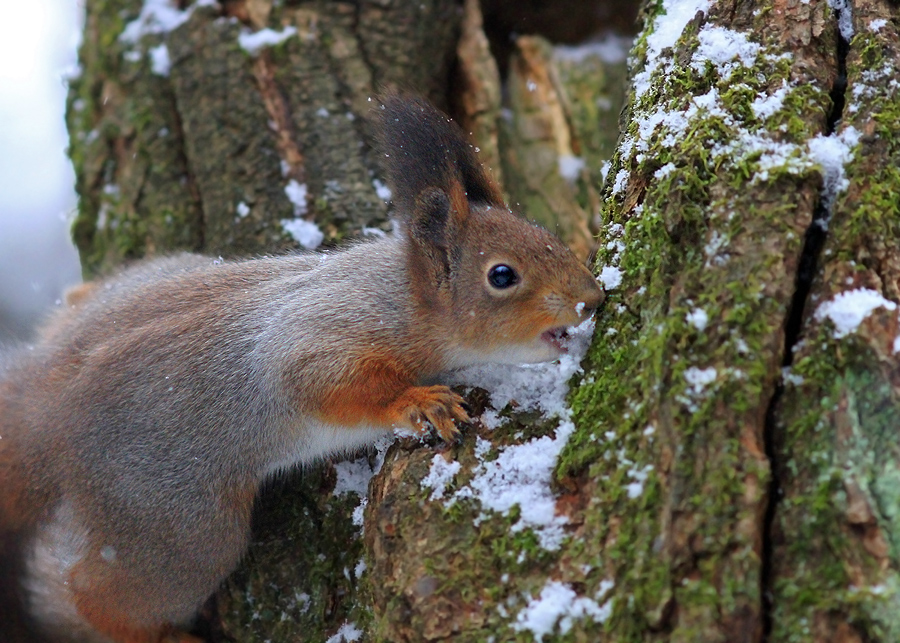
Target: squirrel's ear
x=436 y=222
x=422 y=149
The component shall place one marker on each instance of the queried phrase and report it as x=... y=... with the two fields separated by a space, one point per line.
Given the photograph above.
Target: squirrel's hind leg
x=77 y=592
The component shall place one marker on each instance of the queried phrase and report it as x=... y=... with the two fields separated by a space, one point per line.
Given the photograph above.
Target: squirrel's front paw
x=437 y=405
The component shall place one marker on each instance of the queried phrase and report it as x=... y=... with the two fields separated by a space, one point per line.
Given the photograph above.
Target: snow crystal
x=620 y=182
x=254 y=42
x=304 y=232
x=847 y=310
x=348 y=633
x=558 y=603
x=610 y=277
x=721 y=47
x=570 y=166
x=636 y=489
x=832 y=153
x=156 y=17
x=699 y=379
x=765 y=106
x=664 y=171
x=440 y=475
x=296 y=193
x=353 y=476
x=383 y=191
x=242 y=209
x=845 y=17
x=697 y=318
x=160 y=64
x=667 y=28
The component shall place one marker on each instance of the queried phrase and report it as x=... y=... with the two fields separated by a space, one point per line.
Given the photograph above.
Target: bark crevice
x=813 y=243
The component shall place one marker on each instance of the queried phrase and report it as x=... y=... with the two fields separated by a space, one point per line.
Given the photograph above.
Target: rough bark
x=733 y=471
x=197 y=156
x=769 y=511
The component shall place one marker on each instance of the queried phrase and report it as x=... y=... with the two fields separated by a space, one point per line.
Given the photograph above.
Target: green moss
x=701 y=238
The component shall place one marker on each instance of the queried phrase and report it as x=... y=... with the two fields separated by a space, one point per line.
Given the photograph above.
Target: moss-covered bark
x=182 y=139
x=709 y=494
x=836 y=562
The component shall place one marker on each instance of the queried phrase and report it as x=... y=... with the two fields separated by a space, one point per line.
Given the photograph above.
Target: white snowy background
x=38 y=40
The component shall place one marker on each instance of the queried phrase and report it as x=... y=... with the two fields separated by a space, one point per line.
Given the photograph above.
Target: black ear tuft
x=422 y=148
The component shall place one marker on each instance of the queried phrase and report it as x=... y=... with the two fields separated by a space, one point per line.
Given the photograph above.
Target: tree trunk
x=731 y=472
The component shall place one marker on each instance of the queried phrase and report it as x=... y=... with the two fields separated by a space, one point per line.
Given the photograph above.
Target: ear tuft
x=421 y=148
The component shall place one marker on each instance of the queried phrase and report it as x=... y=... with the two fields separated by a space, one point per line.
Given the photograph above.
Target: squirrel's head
x=506 y=290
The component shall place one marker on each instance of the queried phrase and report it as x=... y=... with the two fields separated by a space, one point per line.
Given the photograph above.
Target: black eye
x=502 y=276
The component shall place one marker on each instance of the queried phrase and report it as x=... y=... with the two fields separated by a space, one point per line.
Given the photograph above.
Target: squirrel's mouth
x=557 y=337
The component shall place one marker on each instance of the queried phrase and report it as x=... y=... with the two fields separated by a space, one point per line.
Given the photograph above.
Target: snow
x=254 y=42
x=620 y=182
x=559 y=604
x=764 y=106
x=297 y=194
x=876 y=25
x=699 y=378
x=636 y=489
x=520 y=474
x=156 y=17
x=667 y=28
x=348 y=633
x=440 y=475
x=664 y=171
x=845 y=17
x=848 y=309
x=697 y=318
x=160 y=64
x=304 y=232
x=353 y=477
x=242 y=209
x=721 y=46
x=383 y=191
x=610 y=277
x=570 y=166
x=832 y=153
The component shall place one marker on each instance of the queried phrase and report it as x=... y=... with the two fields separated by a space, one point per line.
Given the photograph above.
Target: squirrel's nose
x=593 y=299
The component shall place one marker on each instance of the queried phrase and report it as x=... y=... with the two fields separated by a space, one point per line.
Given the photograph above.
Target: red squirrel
x=136 y=432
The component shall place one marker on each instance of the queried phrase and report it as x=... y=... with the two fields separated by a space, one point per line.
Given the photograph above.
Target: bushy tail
x=18 y=517
x=15 y=625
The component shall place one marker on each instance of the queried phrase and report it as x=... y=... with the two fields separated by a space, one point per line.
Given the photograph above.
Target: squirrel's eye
x=502 y=276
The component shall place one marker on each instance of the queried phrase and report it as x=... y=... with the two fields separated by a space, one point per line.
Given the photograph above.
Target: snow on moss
x=666 y=29
x=440 y=475
x=847 y=310
x=558 y=606
x=520 y=475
